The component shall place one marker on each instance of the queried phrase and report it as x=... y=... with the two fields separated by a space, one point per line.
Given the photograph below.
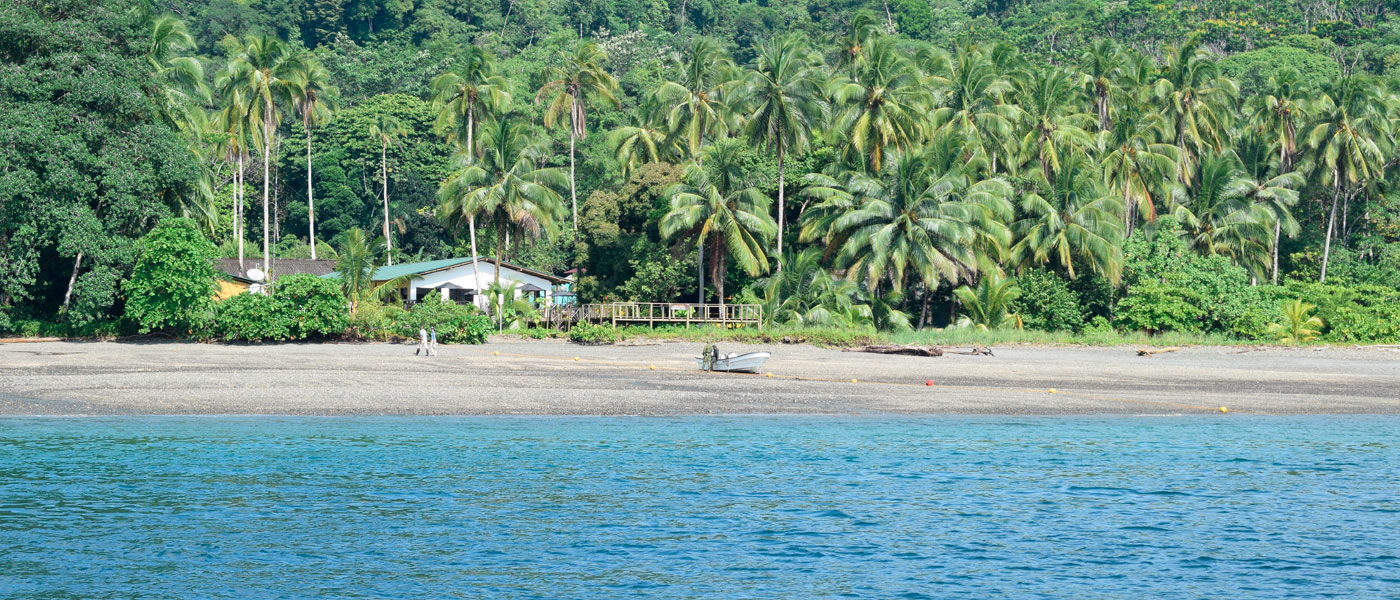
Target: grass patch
x=1003 y=337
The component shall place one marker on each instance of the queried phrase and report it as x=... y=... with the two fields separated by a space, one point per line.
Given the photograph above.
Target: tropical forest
x=1207 y=169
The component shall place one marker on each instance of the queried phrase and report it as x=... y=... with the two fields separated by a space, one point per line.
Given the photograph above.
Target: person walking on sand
x=422 y=342
x=432 y=341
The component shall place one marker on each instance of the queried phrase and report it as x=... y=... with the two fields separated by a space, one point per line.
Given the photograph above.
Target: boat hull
x=736 y=363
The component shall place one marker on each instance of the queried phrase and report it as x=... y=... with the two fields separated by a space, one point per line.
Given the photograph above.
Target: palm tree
x=386 y=129
x=1221 y=218
x=1070 y=217
x=1350 y=123
x=807 y=294
x=1102 y=66
x=852 y=44
x=697 y=102
x=1049 y=101
x=262 y=68
x=1137 y=165
x=914 y=218
x=1197 y=102
x=314 y=99
x=882 y=108
x=232 y=122
x=505 y=186
x=718 y=206
x=641 y=143
x=466 y=94
x=783 y=102
x=569 y=88
x=1276 y=192
x=356 y=262
x=1299 y=326
x=182 y=91
x=969 y=91
x=988 y=305
x=1278 y=112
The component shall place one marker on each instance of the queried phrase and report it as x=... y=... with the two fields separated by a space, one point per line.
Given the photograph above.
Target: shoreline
x=519 y=378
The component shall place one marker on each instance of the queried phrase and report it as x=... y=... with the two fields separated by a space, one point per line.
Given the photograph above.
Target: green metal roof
x=391 y=272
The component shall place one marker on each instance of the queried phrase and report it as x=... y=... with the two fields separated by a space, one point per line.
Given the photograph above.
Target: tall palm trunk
x=701 y=268
x=500 y=247
x=238 y=209
x=476 y=258
x=267 y=176
x=1331 y=223
x=782 y=208
x=573 y=194
x=717 y=262
x=1278 y=230
x=471 y=148
x=384 y=172
x=310 y=203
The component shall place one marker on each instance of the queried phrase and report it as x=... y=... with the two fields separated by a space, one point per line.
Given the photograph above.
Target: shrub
x=251 y=318
x=1298 y=324
x=586 y=333
x=455 y=323
x=1363 y=313
x=313 y=305
x=1157 y=308
x=174 y=279
x=1046 y=302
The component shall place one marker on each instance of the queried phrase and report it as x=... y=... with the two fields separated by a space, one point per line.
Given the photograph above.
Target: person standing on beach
x=432 y=341
x=422 y=342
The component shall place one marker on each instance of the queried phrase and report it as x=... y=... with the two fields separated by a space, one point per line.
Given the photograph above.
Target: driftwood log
x=905 y=350
x=1149 y=352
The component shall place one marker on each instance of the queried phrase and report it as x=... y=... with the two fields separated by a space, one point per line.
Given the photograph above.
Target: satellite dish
x=255 y=274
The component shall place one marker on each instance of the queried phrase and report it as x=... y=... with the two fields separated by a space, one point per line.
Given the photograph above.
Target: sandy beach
x=512 y=377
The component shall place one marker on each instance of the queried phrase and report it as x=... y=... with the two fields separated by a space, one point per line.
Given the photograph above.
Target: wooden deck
x=656 y=313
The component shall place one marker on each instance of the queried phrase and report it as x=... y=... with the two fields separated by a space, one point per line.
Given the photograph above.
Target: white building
x=464 y=280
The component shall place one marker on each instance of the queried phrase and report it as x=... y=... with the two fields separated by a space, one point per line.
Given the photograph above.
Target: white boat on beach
x=733 y=363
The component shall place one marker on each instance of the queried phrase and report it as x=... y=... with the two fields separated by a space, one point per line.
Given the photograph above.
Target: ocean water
x=1229 y=506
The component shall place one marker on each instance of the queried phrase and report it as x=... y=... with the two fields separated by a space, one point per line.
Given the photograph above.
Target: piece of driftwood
x=904 y=350
x=1149 y=352
x=975 y=351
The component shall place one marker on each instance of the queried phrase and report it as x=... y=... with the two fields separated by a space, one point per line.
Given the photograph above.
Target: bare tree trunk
x=923 y=311
x=501 y=303
x=310 y=203
x=782 y=208
x=72 y=279
x=1278 y=231
x=719 y=275
x=471 y=148
x=384 y=172
x=238 y=209
x=476 y=258
x=1331 y=222
x=701 y=267
x=267 y=172
x=573 y=194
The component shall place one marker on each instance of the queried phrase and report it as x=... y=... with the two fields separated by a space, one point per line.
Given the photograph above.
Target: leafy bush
x=1363 y=313
x=1046 y=302
x=1298 y=324
x=314 y=305
x=251 y=318
x=174 y=280
x=455 y=323
x=1157 y=308
x=587 y=333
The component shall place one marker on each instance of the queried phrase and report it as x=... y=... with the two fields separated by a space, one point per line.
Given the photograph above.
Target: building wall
x=466 y=276
x=229 y=289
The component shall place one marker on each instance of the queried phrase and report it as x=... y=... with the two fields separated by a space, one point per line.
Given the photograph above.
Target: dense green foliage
x=456 y=323
x=173 y=283
x=1158 y=167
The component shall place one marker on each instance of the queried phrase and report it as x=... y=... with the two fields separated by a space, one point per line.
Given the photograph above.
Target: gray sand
x=541 y=378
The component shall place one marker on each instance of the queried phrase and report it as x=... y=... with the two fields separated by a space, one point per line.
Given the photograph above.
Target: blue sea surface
x=1228 y=506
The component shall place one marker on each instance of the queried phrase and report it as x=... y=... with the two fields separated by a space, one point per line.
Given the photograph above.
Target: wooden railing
x=653 y=313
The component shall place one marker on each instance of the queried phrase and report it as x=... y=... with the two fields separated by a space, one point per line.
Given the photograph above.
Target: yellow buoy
x=767 y=374
x=576 y=358
x=652 y=367
x=1052 y=390
x=853 y=380
x=495 y=354
x=1224 y=410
